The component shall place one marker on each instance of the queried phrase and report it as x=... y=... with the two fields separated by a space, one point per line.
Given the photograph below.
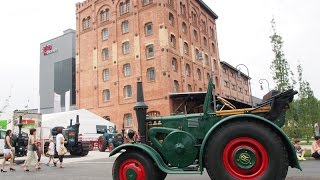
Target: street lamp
x=261 y=82
x=239 y=74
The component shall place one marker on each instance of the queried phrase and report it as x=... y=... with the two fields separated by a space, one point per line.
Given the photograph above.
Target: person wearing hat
x=315 y=149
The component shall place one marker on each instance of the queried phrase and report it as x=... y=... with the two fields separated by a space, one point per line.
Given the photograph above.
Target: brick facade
x=179 y=29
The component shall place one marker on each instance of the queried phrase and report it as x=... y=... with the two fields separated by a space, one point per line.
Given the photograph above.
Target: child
x=51 y=152
x=300 y=152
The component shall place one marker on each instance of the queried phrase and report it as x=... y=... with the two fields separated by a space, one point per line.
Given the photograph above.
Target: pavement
x=98 y=166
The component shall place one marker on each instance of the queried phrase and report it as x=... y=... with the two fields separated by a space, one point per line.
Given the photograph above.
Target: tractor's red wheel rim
x=110 y=147
x=100 y=144
x=245 y=158
x=132 y=169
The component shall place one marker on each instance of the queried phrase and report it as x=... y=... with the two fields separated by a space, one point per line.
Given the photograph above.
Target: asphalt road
x=99 y=166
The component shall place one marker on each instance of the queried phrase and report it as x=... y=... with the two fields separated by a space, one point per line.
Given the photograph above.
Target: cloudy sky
x=243 y=34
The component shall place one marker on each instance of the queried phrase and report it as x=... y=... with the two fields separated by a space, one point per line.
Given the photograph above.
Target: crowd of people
x=33 y=151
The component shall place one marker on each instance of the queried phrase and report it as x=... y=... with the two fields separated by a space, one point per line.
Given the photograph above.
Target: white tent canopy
x=88 y=122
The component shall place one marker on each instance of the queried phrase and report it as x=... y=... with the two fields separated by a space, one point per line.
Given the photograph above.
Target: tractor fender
x=153 y=154
x=293 y=160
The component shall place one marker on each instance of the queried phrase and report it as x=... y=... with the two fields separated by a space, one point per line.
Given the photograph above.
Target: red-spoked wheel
x=245 y=158
x=110 y=147
x=133 y=165
x=102 y=144
x=245 y=149
x=132 y=169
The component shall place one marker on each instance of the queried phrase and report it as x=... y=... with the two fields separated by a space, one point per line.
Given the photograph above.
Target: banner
x=57 y=103
x=3 y=124
x=67 y=101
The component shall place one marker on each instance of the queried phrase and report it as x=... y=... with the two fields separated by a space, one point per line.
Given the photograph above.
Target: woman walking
x=32 y=158
x=8 y=151
x=61 y=150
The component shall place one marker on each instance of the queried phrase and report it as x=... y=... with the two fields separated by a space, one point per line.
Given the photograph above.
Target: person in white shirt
x=60 y=145
x=316 y=129
x=51 y=152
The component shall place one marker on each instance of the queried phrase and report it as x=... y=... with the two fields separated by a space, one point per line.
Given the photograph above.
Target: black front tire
x=275 y=151
x=142 y=161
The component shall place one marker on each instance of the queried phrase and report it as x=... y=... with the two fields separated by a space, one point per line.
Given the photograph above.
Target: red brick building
x=171 y=46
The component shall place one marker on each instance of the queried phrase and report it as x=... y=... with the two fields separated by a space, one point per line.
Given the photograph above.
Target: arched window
x=105 y=54
x=124 y=7
x=150 y=51
x=175 y=86
x=174 y=64
x=208 y=76
x=127 y=70
x=146 y=2
x=171 y=19
x=86 y=23
x=171 y=3
x=106 y=74
x=188 y=70
x=206 y=59
x=105 y=34
x=189 y=88
x=205 y=42
x=213 y=48
x=127 y=91
x=148 y=28
x=106 y=95
x=104 y=15
x=217 y=82
x=151 y=74
x=173 y=41
x=126 y=47
x=195 y=35
x=199 y=74
x=184 y=27
x=125 y=26
x=186 y=48
x=194 y=17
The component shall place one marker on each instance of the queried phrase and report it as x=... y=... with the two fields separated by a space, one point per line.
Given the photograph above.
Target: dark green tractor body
x=230 y=144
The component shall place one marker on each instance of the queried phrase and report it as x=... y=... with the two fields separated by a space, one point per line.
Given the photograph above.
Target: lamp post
x=261 y=82
x=239 y=73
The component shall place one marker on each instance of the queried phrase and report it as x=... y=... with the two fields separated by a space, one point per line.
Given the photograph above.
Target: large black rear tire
x=134 y=163
x=246 y=149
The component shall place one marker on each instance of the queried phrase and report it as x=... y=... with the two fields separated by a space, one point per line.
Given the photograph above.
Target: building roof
x=207 y=9
x=232 y=67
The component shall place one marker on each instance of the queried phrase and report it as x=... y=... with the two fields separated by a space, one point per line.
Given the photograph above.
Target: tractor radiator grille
x=193 y=123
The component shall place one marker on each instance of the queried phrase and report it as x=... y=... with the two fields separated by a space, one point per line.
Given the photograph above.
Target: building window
x=105 y=15
x=171 y=3
x=128 y=120
x=127 y=91
x=175 y=86
x=148 y=27
x=150 y=51
x=225 y=70
x=194 y=18
x=211 y=33
x=234 y=87
x=125 y=47
x=146 y=2
x=171 y=19
x=205 y=42
x=126 y=70
x=240 y=89
x=188 y=70
x=199 y=74
x=106 y=95
x=198 y=54
x=203 y=26
x=124 y=7
x=189 y=88
x=195 y=35
x=105 y=34
x=226 y=84
x=184 y=27
x=200 y=89
x=246 y=92
x=186 y=48
x=206 y=59
x=173 y=41
x=174 y=64
x=213 y=48
x=106 y=74
x=151 y=74
x=215 y=64
x=86 y=23
x=125 y=26
x=182 y=9
x=105 y=54
x=208 y=77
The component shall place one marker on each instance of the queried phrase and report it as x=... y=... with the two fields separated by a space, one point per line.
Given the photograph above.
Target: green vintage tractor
x=229 y=143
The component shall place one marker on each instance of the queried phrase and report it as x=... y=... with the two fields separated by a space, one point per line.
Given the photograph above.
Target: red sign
x=48 y=49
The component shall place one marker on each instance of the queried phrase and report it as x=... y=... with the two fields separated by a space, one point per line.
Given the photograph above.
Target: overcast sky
x=243 y=35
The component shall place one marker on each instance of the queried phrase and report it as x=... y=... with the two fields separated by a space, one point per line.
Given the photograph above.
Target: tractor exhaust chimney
x=141 y=113
x=20 y=126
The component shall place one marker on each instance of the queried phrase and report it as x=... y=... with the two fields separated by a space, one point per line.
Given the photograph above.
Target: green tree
x=280 y=67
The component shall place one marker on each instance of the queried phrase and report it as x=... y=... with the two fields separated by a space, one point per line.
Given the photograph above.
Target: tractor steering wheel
x=226 y=103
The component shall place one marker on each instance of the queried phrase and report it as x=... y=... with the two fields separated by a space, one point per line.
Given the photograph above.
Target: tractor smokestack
x=141 y=112
x=77 y=128
x=20 y=126
x=70 y=122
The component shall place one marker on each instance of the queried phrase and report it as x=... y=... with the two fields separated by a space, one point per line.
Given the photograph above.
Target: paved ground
x=97 y=166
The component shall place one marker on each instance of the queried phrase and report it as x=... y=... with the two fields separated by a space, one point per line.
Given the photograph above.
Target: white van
x=2 y=135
